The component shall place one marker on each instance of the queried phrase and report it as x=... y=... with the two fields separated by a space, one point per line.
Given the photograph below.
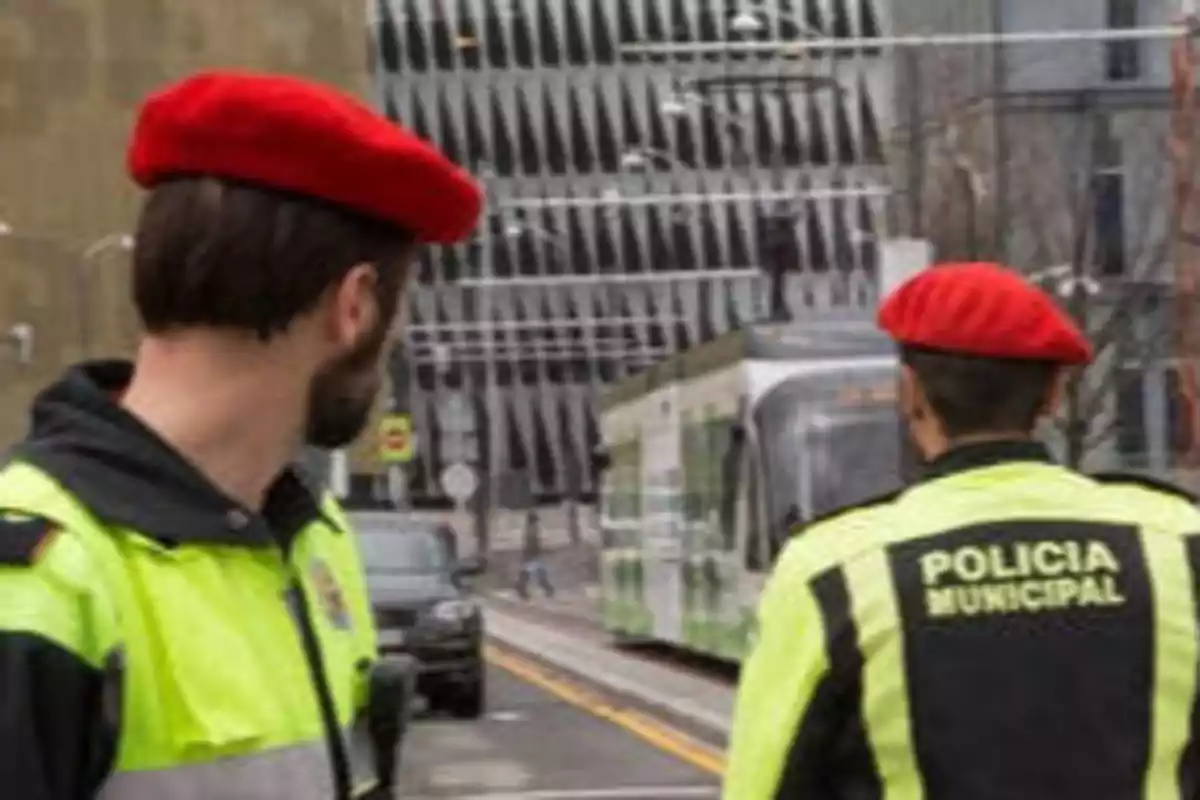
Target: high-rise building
x=639 y=202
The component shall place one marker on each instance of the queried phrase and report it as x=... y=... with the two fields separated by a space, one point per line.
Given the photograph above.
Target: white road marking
x=614 y=793
x=507 y=776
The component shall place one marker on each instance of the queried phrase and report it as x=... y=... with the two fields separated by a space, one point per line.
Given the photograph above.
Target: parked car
x=423 y=607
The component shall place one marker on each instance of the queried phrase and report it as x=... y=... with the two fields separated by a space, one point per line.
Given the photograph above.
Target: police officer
x=1003 y=628
x=181 y=615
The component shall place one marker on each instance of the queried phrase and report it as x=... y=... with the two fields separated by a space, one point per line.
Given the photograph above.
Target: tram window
x=758 y=555
x=782 y=530
x=728 y=470
x=694 y=468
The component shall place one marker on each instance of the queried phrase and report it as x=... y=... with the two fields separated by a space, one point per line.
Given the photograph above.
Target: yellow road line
x=662 y=736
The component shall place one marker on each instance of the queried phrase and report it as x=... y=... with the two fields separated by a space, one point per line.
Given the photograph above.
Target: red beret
x=982 y=310
x=291 y=134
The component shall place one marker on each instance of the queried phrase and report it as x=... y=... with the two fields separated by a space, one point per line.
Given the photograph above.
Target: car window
x=403 y=551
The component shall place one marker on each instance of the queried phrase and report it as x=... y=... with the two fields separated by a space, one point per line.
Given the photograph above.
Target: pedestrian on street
x=182 y=615
x=1005 y=627
x=533 y=567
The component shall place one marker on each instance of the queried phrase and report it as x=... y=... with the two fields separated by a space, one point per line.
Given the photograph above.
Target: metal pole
x=677 y=276
x=490 y=382
x=916 y=147
x=1077 y=426
x=693 y=199
x=533 y=324
x=1000 y=135
x=853 y=43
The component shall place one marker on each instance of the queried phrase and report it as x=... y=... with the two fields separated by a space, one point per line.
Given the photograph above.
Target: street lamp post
x=491 y=385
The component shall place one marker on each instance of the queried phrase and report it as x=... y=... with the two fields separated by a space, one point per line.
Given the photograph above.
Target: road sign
x=459 y=482
x=396 y=439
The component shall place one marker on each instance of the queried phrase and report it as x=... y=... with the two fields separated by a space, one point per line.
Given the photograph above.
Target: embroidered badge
x=333 y=600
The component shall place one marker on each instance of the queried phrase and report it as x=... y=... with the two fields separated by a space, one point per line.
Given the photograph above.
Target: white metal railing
x=616 y=279
x=825 y=45
x=544 y=324
x=614 y=198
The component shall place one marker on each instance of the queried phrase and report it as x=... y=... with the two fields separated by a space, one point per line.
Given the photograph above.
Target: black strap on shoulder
x=23 y=538
x=1146 y=481
x=877 y=500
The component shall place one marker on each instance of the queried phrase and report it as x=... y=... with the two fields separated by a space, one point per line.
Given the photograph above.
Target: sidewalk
x=573 y=573
x=579 y=605
x=701 y=701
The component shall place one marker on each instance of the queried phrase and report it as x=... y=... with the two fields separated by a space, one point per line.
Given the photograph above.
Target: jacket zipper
x=334 y=742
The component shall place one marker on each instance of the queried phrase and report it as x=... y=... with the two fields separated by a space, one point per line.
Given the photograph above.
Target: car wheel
x=469 y=700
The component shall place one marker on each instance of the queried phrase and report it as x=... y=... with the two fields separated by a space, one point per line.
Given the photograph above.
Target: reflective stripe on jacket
x=208 y=681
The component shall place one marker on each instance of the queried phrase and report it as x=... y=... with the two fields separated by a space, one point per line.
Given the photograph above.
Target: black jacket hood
x=127 y=476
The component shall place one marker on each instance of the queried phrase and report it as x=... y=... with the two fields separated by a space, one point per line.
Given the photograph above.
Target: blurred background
x=654 y=184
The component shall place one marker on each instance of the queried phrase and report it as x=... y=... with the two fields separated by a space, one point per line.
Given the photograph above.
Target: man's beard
x=342 y=393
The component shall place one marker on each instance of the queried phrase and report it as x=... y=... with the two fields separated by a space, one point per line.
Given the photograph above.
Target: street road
x=546 y=739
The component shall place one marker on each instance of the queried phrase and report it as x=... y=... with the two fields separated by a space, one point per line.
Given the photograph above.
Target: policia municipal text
x=182 y=617
x=1005 y=628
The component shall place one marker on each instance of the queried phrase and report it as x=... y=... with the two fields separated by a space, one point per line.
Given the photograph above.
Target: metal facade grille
x=638 y=204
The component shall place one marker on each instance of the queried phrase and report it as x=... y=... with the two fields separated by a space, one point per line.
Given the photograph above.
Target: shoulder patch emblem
x=24 y=538
x=330 y=594
x=1145 y=481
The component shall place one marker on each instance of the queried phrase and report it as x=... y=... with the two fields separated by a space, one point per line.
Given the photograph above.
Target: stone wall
x=71 y=75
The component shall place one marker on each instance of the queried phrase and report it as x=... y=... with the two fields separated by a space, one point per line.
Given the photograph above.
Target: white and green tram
x=714 y=455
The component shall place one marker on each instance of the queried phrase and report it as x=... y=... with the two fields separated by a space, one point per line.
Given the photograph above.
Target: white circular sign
x=459 y=482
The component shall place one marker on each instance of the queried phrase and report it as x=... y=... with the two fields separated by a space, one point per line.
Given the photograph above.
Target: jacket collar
x=985 y=454
x=128 y=477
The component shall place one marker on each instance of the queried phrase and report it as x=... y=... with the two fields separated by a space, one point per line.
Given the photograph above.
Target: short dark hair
x=224 y=254
x=973 y=395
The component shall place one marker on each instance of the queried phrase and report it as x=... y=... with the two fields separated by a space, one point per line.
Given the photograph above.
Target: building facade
x=1055 y=155
x=638 y=203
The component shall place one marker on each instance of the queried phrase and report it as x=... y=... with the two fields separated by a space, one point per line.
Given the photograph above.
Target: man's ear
x=353 y=306
x=910 y=396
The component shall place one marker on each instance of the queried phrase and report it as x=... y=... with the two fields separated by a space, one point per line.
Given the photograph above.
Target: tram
x=714 y=455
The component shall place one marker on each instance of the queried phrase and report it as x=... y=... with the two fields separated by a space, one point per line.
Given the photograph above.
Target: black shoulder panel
x=1147 y=481
x=877 y=500
x=23 y=538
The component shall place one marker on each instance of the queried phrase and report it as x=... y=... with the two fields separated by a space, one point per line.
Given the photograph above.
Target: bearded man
x=182 y=615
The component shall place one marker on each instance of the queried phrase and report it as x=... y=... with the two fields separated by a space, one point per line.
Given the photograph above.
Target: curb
x=710 y=721
x=523 y=609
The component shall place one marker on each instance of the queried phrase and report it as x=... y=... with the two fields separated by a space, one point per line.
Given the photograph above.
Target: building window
x=1107 y=200
x=1130 y=438
x=1181 y=414
x=1122 y=59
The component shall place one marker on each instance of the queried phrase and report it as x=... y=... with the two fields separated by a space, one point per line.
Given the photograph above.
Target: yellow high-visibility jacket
x=1006 y=628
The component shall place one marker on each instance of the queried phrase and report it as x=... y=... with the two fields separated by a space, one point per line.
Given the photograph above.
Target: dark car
x=424 y=609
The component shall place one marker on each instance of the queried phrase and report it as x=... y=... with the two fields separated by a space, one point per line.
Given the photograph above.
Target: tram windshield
x=828 y=442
